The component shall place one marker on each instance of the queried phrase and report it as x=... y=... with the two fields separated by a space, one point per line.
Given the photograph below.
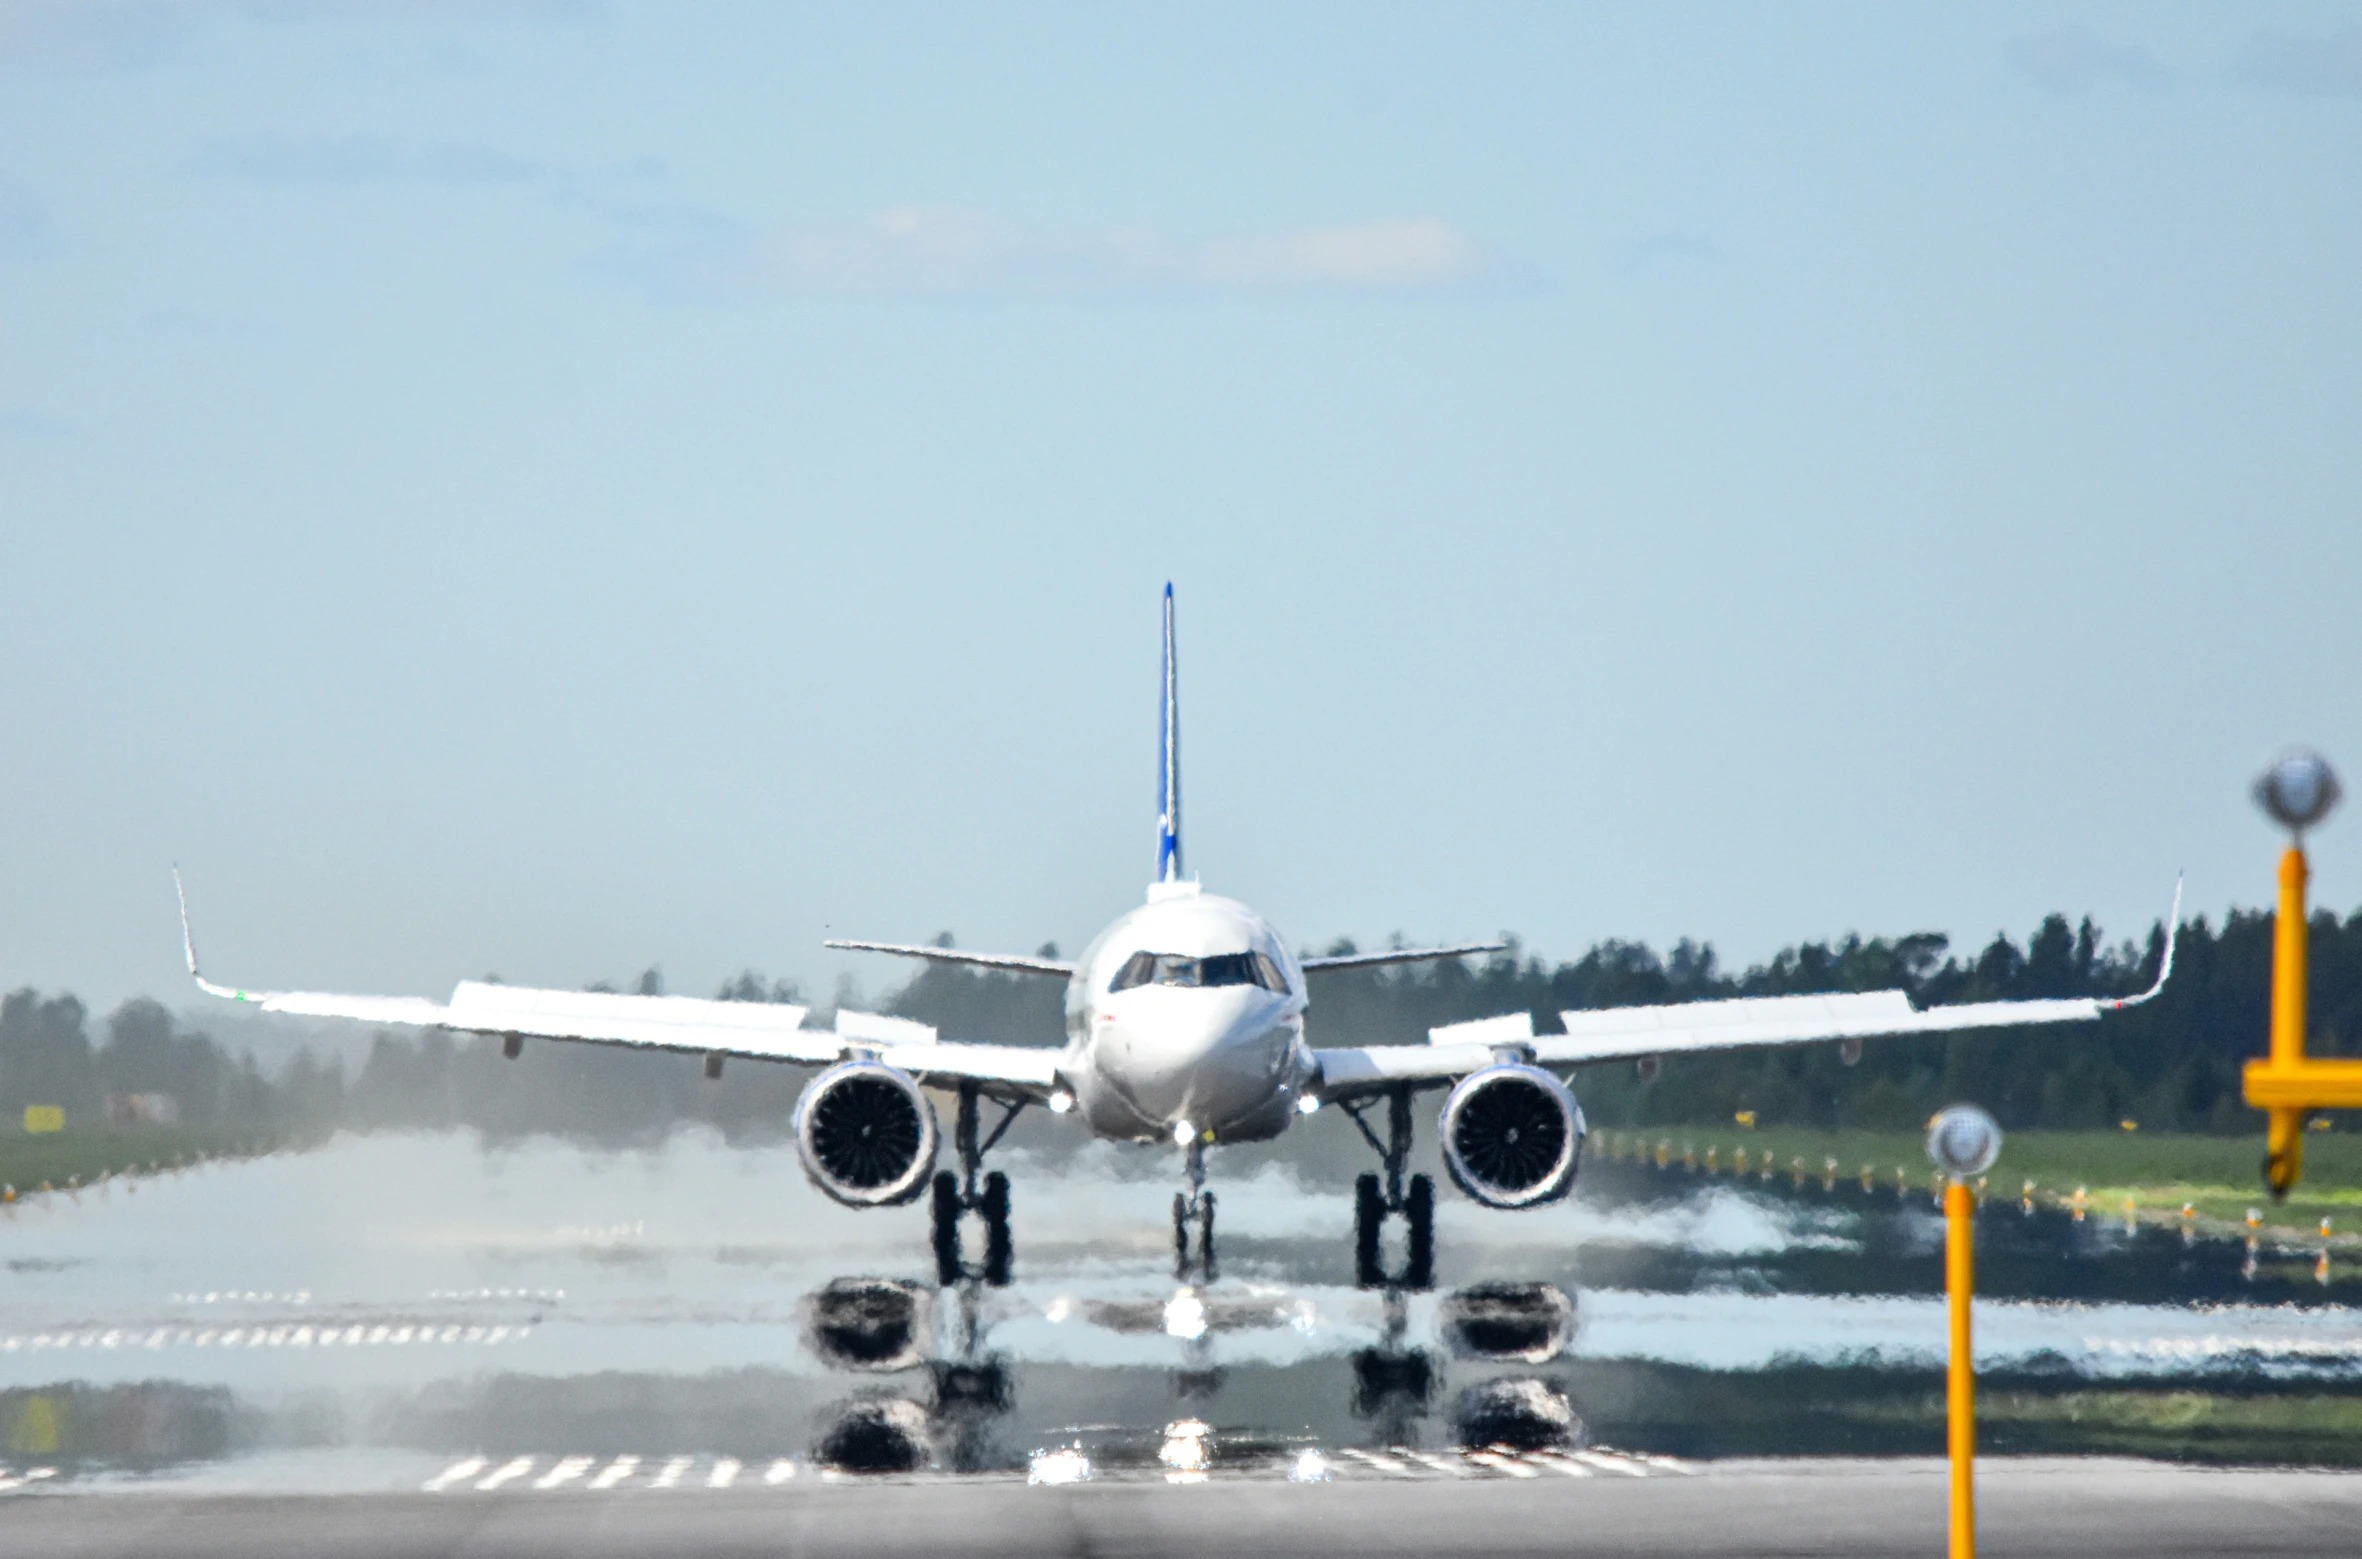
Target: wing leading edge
x=1690 y=1028
x=751 y=1030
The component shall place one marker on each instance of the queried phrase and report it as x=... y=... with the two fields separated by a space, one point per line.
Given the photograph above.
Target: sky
x=547 y=489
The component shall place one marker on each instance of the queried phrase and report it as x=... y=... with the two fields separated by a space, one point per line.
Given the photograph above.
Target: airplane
x=1186 y=1023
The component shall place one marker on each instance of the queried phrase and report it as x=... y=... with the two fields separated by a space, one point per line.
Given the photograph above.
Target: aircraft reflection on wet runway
x=389 y=1309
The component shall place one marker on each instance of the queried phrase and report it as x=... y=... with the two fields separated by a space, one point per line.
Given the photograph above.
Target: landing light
x=1307 y=1104
x=1060 y=1102
x=1182 y=1132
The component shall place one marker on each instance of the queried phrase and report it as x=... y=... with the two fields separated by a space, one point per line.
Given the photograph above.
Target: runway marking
x=29 y=1475
x=582 y=1473
x=615 y=1472
x=455 y=1473
x=567 y=1470
x=1385 y=1464
x=506 y=1474
x=1496 y=1460
x=1662 y=1463
x=286 y=1335
x=1559 y=1461
x=1611 y=1463
x=1436 y=1462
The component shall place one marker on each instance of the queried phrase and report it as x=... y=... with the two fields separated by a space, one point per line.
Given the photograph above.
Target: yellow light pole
x=1963 y=1141
x=2298 y=791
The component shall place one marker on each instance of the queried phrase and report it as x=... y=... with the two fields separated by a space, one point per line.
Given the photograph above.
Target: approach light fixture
x=2298 y=790
x=1963 y=1141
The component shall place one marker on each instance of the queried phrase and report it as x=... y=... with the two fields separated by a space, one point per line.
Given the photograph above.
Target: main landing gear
x=987 y=1196
x=1374 y=1202
x=1194 y=1208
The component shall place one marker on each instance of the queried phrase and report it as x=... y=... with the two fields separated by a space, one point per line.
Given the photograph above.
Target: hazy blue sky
x=546 y=488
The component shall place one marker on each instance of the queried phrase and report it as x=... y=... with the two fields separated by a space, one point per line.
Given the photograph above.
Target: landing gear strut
x=970 y=1191
x=1374 y=1202
x=1194 y=1207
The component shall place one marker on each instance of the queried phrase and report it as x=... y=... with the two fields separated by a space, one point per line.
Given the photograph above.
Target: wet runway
x=2078 y=1508
x=518 y=1331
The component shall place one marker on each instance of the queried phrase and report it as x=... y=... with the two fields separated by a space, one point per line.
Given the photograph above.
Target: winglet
x=188 y=946
x=2173 y=931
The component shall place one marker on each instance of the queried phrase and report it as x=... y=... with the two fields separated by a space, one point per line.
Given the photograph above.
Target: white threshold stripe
x=780 y=1471
x=1500 y=1463
x=615 y=1472
x=566 y=1471
x=669 y=1475
x=724 y=1474
x=457 y=1472
x=1612 y=1463
x=507 y=1473
x=1559 y=1461
x=1386 y=1464
x=1436 y=1462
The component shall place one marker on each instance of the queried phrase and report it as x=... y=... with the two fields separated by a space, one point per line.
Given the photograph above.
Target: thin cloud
x=1670 y=248
x=960 y=252
x=2303 y=65
x=90 y=35
x=364 y=159
x=2076 y=59
x=545 y=12
x=76 y=36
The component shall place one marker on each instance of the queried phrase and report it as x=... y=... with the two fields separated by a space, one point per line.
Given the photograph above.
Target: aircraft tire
x=946 y=1204
x=1205 y=1234
x=1369 y=1218
x=999 y=1250
x=1419 y=1210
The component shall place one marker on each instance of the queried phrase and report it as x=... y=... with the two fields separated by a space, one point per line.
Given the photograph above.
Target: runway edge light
x=1963 y=1141
x=2298 y=791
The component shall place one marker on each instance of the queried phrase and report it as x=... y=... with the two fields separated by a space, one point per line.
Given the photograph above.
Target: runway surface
x=1755 y=1508
x=440 y=1345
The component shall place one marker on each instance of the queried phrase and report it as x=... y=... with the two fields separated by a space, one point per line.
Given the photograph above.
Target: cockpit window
x=1256 y=969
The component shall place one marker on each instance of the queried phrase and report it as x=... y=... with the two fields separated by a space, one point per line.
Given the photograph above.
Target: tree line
x=2172 y=1064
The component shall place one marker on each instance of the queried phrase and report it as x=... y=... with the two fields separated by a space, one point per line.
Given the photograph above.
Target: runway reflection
x=404 y=1308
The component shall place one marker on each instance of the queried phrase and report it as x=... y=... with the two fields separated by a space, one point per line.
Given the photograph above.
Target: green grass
x=64 y=1158
x=2220 y=1177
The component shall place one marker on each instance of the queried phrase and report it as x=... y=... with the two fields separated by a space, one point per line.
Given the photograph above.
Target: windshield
x=1217 y=969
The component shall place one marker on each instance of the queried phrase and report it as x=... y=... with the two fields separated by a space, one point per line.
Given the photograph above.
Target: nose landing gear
x=1194 y=1206
x=969 y=1191
x=1375 y=1201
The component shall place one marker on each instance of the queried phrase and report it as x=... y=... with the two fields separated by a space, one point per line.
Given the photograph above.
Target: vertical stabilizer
x=1168 y=765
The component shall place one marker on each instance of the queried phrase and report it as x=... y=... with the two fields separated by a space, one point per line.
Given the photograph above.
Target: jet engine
x=866 y=1134
x=1512 y=1136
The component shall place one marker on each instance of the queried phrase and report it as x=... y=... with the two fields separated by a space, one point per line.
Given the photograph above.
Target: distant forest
x=2173 y=1064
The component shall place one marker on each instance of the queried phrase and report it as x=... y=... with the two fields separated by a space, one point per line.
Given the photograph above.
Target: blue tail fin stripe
x=1168 y=768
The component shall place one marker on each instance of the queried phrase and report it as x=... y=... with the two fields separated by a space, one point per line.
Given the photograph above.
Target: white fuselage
x=1186 y=1017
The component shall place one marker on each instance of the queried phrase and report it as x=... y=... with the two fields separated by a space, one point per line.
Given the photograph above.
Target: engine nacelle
x=1512 y=1136
x=866 y=1134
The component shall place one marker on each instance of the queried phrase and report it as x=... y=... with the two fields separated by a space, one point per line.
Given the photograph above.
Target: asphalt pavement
x=1822 y=1507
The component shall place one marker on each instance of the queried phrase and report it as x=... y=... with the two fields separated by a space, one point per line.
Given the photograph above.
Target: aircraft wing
x=753 y=1030
x=1690 y=1028
x=756 y=1031
x=1629 y=1033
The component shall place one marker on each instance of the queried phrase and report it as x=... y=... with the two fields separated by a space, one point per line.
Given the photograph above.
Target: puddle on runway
x=377 y=1312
